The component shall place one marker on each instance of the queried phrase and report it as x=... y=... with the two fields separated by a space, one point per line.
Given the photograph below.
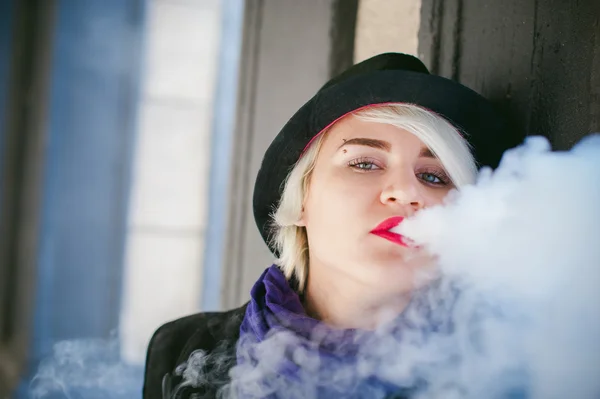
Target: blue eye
x=430 y=178
x=363 y=164
x=434 y=179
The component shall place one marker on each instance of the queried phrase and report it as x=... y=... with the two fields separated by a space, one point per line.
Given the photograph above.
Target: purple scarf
x=283 y=352
x=275 y=306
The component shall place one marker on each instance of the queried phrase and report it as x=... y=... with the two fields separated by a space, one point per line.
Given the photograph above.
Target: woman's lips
x=383 y=231
x=389 y=223
x=393 y=237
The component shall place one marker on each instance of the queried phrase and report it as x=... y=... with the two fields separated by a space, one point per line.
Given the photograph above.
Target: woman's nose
x=404 y=192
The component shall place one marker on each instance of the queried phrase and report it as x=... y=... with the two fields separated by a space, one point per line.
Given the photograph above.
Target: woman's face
x=365 y=174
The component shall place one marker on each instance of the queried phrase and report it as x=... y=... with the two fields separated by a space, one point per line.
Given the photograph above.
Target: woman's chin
x=397 y=272
x=391 y=256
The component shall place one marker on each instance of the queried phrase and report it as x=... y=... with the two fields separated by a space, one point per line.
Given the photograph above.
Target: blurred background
x=131 y=132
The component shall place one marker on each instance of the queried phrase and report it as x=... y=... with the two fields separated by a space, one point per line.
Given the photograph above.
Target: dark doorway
x=539 y=60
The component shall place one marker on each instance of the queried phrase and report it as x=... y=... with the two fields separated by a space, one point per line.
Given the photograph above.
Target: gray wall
x=290 y=49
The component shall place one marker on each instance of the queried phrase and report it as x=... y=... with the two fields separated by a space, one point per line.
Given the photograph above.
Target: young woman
x=375 y=145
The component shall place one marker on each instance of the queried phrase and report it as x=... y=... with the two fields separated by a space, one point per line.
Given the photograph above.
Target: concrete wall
x=167 y=221
x=285 y=60
x=384 y=26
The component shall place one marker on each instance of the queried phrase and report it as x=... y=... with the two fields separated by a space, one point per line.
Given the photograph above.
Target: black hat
x=385 y=78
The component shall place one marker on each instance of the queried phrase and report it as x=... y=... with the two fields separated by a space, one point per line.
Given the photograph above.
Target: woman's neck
x=344 y=303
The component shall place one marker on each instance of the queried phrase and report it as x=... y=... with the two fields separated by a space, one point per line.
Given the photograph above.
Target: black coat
x=173 y=343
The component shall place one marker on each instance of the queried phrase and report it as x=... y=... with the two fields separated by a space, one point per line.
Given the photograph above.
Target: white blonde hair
x=442 y=138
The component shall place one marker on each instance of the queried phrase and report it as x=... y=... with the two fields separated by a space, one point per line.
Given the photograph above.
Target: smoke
x=523 y=245
x=514 y=313
x=86 y=369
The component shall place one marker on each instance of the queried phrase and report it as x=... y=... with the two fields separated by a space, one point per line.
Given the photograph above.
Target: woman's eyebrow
x=426 y=153
x=374 y=143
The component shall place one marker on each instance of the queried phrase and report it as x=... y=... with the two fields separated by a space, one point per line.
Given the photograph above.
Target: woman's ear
x=301 y=221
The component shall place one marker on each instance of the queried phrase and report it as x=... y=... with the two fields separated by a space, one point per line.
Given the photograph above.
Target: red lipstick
x=383 y=231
